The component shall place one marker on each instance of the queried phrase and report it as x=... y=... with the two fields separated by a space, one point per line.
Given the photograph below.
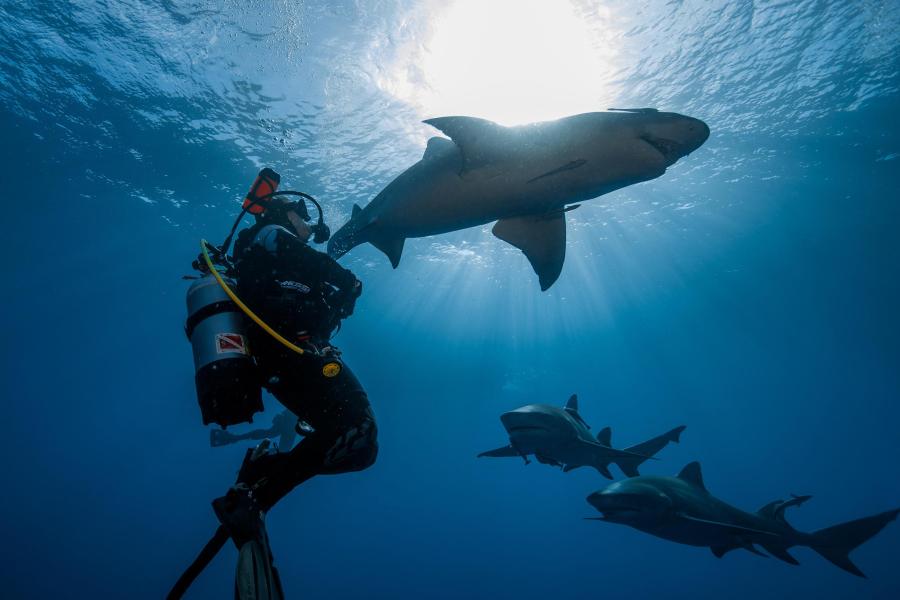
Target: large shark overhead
x=680 y=509
x=526 y=178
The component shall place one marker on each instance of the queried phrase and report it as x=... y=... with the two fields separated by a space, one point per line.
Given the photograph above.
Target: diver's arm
x=288 y=248
x=349 y=287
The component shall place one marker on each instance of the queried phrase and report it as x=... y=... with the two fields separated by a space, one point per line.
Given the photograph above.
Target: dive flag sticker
x=230 y=342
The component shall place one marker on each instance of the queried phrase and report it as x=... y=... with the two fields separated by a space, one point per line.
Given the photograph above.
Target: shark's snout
x=621 y=502
x=676 y=136
x=526 y=421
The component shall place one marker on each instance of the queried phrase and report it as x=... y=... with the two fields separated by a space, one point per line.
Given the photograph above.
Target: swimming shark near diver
x=526 y=178
x=680 y=509
x=560 y=437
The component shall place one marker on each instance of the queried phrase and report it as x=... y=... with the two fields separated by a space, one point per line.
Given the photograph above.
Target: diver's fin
x=781 y=553
x=256 y=577
x=572 y=403
x=731 y=527
x=692 y=474
x=438 y=146
x=504 y=451
x=480 y=141
x=541 y=238
x=392 y=247
x=630 y=466
x=604 y=436
x=356 y=210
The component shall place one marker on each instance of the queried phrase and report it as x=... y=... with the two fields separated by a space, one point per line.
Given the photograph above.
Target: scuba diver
x=285 y=426
x=295 y=298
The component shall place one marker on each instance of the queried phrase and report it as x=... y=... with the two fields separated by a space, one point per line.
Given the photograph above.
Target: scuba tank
x=228 y=385
x=229 y=389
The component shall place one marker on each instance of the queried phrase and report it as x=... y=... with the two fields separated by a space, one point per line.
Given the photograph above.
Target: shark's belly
x=447 y=203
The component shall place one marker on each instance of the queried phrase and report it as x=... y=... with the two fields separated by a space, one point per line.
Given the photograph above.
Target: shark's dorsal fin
x=392 y=247
x=438 y=146
x=572 y=403
x=479 y=140
x=604 y=436
x=356 y=210
x=541 y=238
x=691 y=473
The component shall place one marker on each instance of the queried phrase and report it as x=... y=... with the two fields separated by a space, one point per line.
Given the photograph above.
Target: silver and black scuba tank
x=228 y=385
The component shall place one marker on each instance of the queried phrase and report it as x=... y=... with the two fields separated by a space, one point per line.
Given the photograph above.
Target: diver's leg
x=241 y=516
x=344 y=437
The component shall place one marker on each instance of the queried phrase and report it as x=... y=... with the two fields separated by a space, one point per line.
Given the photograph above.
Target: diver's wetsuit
x=303 y=294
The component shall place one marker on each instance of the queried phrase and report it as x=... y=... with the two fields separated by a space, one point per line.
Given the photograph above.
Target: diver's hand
x=350 y=303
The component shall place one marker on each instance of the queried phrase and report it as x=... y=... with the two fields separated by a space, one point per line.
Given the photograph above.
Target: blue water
x=751 y=293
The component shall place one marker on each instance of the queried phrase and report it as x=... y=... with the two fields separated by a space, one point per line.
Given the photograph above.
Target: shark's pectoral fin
x=500 y=452
x=392 y=247
x=541 y=238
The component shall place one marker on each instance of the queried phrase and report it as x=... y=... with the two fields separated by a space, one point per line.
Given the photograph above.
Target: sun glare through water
x=510 y=61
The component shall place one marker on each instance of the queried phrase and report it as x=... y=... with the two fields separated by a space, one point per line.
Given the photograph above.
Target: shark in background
x=560 y=437
x=525 y=178
x=680 y=509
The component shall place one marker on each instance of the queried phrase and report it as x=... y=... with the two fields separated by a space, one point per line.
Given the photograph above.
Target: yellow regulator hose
x=241 y=305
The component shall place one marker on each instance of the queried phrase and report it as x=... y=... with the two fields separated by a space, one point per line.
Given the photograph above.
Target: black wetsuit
x=303 y=294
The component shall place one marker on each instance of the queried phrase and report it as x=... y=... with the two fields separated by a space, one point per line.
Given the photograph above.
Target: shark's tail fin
x=630 y=464
x=836 y=543
x=348 y=236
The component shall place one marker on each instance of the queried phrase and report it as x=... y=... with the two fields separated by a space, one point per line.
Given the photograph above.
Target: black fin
x=692 y=474
x=835 y=543
x=603 y=470
x=630 y=465
x=356 y=210
x=497 y=452
x=572 y=403
x=781 y=553
x=604 y=436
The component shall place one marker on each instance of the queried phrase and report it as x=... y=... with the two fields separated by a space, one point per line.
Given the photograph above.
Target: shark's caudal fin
x=541 y=238
x=630 y=464
x=836 y=543
x=348 y=236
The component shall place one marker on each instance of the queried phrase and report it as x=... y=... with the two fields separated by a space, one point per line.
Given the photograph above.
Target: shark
x=560 y=437
x=680 y=509
x=526 y=178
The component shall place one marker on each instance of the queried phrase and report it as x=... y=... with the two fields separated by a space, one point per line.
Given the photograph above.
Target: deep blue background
x=764 y=317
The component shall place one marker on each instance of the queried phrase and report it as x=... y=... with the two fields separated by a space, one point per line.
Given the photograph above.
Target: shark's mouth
x=670 y=150
x=611 y=514
x=527 y=428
